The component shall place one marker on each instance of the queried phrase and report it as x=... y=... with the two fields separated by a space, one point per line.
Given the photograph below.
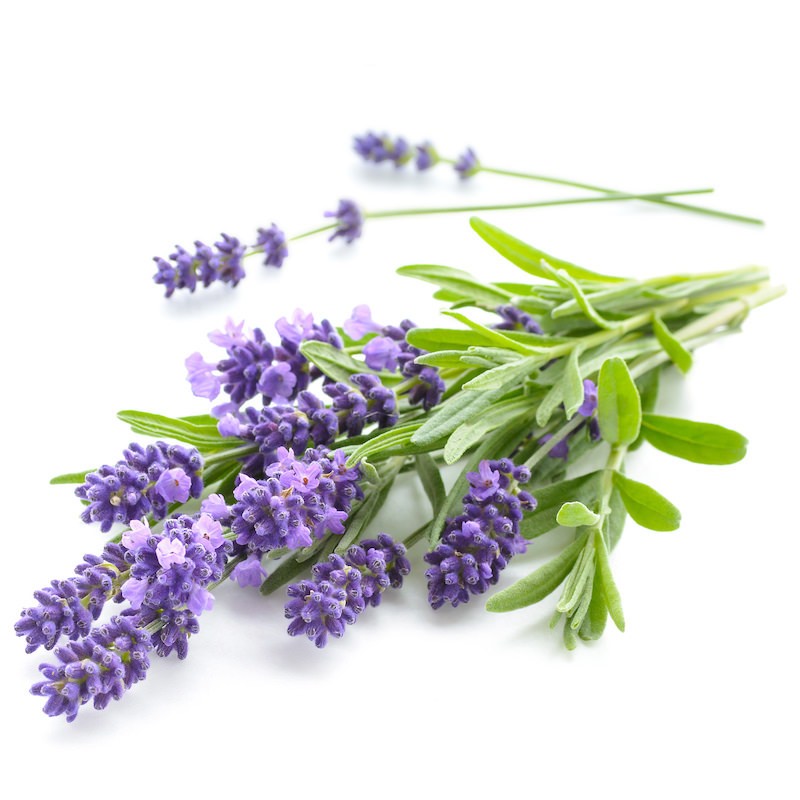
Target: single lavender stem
x=562 y=433
x=593 y=188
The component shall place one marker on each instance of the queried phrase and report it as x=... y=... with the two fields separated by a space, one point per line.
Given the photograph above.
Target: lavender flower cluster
x=145 y=481
x=377 y=148
x=164 y=577
x=478 y=543
x=342 y=587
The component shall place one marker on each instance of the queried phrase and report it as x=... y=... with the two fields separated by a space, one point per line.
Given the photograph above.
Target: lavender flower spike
x=349 y=221
x=273 y=242
x=427 y=156
x=377 y=149
x=467 y=164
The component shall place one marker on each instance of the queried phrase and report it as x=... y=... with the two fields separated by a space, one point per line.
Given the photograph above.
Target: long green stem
x=605 y=190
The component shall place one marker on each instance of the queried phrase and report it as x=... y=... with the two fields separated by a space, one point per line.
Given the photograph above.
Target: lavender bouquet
x=279 y=484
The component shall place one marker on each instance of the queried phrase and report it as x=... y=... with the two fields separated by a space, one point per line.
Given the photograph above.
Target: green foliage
x=646 y=506
x=701 y=442
x=619 y=409
x=574 y=514
x=679 y=355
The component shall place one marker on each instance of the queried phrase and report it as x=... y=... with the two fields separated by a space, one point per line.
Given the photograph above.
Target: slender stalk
x=605 y=190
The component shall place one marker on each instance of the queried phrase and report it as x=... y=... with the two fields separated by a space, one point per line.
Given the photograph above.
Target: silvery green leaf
x=678 y=354
x=549 y=500
x=594 y=622
x=610 y=591
x=434 y=339
x=442 y=358
x=619 y=409
x=70 y=477
x=491 y=334
x=648 y=386
x=574 y=514
x=572 y=384
x=500 y=377
x=340 y=366
x=701 y=442
x=541 y=583
x=431 y=480
x=646 y=506
x=457 y=281
x=528 y=258
x=614 y=522
x=205 y=437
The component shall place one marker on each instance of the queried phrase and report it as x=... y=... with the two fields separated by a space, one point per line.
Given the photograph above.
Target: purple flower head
x=100 y=668
x=171 y=552
x=209 y=532
x=370 y=402
x=467 y=164
x=277 y=382
x=303 y=478
x=229 y=426
x=206 y=266
x=178 y=624
x=241 y=371
x=249 y=572
x=427 y=156
x=137 y=535
x=381 y=353
x=349 y=221
x=428 y=389
x=360 y=323
x=318 y=610
x=59 y=612
x=228 y=262
x=560 y=450
x=377 y=149
x=200 y=374
x=273 y=242
x=514 y=319
x=589 y=404
x=215 y=506
x=174 y=485
x=485 y=482
x=233 y=335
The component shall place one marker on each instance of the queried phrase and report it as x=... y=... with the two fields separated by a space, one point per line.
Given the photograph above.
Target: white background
x=130 y=127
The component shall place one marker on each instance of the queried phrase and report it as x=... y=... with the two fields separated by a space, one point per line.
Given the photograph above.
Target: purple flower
x=137 y=535
x=587 y=408
x=229 y=426
x=485 y=482
x=174 y=485
x=209 y=532
x=360 y=323
x=59 y=612
x=559 y=450
x=134 y=591
x=249 y=572
x=317 y=610
x=514 y=319
x=377 y=149
x=206 y=265
x=227 y=265
x=277 y=382
x=303 y=478
x=273 y=242
x=427 y=156
x=381 y=353
x=171 y=552
x=370 y=402
x=298 y=330
x=200 y=374
x=100 y=668
x=232 y=335
x=467 y=164
x=349 y=221
x=215 y=506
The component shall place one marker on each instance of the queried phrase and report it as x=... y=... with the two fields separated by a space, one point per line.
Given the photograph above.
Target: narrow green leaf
x=70 y=477
x=610 y=591
x=338 y=365
x=619 y=409
x=574 y=514
x=528 y=258
x=595 y=621
x=457 y=281
x=391 y=440
x=538 y=584
x=364 y=514
x=549 y=500
x=284 y=572
x=648 y=386
x=678 y=354
x=614 y=522
x=701 y=442
x=431 y=480
x=647 y=507
x=452 y=413
x=204 y=437
x=572 y=384
x=443 y=358
x=581 y=299
x=435 y=339
x=501 y=376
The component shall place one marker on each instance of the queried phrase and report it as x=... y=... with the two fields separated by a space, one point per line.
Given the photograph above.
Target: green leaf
x=336 y=364
x=502 y=376
x=528 y=258
x=457 y=281
x=460 y=407
x=647 y=507
x=679 y=355
x=364 y=514
x=572 y=384
x=619 y=409
x=204 y=437
x=391 y=440
x=70 y=477
x=443 y=358
x=614 y=522
x=492 y=335
x=595 y=621
x=550 y=499
x=444 y=339
x=574 y=514
x=286 y=571
x=539 y=584
x=610 y=591
x=648 y=386
x=431 y=480
x=473 y=431
x=701 y=442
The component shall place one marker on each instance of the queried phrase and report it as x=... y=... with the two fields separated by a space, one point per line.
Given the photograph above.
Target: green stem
x=605 y=190
x=565 y=430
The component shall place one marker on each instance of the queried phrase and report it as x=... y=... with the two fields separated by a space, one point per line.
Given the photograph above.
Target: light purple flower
x=299 y=329
x=360 y=323
x=381 y=353
x=200 y=600
x=349 y=221
x=467 y=164
x=215 y=506
x=229 y=426
x=246 y=483
x=200 y=374
x=334 y=520
x=485 y=482
x=589 y=404
x=137 y=535
x=232 y=336
x=209 y=531
x=174 y=485
x=273 y=242
x=304 y=478
x=298 y=536
x=560 y=450
x=134 y=590
x=278 y=382
x=171 y=552
x=249 y=572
